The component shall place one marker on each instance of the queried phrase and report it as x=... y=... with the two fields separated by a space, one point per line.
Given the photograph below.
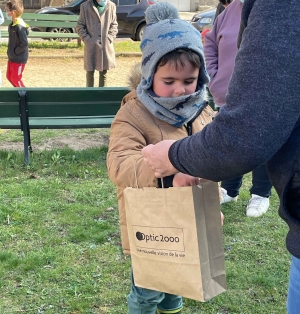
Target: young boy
x=17 y=50
x=168 y=104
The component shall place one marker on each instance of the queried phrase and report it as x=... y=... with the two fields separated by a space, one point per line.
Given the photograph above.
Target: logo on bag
x=159 y=238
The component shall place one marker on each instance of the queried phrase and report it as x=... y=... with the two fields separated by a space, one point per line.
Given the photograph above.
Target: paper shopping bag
x=175 y=237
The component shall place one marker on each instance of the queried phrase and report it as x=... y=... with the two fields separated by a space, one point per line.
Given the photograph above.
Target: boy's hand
x=181 y=179
x=222 y=218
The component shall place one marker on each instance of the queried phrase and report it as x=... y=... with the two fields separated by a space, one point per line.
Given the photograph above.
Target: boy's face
x=11 y=13
x=169 y=82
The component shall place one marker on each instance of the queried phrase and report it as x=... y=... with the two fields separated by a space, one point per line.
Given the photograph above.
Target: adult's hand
x=156 y=157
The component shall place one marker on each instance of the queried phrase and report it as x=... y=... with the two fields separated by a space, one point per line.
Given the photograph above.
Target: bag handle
x=136 y=180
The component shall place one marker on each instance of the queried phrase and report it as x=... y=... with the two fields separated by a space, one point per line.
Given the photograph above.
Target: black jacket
x=260 y=122
x=17 y=50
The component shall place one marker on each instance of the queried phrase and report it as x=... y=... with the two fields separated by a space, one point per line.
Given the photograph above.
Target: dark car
x=130 y=16
x=204 y=19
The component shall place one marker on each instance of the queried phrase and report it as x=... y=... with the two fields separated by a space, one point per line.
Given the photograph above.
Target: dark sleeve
x=168 y=182
x=22 y=34
x=242 y=28
x=262 y=103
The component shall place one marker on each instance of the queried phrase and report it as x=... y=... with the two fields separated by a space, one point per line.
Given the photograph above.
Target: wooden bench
x=58 y=108
x=57 y=26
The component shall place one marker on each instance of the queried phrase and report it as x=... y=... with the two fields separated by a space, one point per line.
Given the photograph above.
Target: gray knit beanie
x=164 y=33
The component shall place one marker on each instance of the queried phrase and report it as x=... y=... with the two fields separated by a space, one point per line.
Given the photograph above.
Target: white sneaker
x=226 y=198
x=257 y=205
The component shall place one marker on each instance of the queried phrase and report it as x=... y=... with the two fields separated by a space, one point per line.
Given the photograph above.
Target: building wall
x=193 y=5
x=200 y=5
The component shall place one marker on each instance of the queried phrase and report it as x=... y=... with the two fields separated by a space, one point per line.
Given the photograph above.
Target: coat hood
x=135 y=76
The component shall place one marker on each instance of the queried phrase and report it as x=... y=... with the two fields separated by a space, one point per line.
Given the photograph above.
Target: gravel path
x=66 y=71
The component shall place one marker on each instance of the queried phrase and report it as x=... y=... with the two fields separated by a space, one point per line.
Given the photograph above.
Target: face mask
x=102 y=3
x=7 y=16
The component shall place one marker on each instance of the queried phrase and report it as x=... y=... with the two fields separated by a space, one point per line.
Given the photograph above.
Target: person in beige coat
x=129 y=134
x=97 y=27
x=168 y=103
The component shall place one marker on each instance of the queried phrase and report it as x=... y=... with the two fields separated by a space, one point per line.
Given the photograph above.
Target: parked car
x=130 y=16
x=203 y=20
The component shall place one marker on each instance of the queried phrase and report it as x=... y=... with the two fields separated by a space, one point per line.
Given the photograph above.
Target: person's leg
x=90 y=78
x=170 y=304
x=293 y=299
x=102 y=78
x=261 y=184
x=8 y=71
x=14 y=73
x=143 y=301
x=232 y=186
x=230 y=189
x=260 y=192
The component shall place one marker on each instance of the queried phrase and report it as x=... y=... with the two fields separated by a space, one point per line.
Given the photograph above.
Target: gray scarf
x=175 y=110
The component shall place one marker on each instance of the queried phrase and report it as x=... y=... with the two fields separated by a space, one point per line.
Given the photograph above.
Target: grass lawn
x=60 y=242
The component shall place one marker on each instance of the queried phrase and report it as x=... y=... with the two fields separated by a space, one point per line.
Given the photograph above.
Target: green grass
x=120 y=46
x=60 y=241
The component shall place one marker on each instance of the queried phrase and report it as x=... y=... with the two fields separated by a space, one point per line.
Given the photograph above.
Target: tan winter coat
x=98 y=33
x=133 y=128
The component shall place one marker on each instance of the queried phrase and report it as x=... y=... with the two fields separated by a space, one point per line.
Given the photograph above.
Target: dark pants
x=261 y=184
x=90 y=78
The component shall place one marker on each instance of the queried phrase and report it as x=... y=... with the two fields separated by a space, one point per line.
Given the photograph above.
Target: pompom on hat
x=166 y=32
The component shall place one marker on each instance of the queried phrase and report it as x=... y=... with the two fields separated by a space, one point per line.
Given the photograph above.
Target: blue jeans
x=146 y=301
x=293 y=300
x=261 y=184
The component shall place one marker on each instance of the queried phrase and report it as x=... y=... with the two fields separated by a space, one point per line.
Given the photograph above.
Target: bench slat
x=49 y=17
x=27 y=17
x=43 y=23
x=33 y=34
x=59 y=123
x=47 y=21
x=9 y=123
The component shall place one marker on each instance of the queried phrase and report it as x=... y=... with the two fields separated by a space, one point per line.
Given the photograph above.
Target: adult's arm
x=81 y=28
x=113 y=29
x=1 y=17
x=262 y=104
x=211 y=50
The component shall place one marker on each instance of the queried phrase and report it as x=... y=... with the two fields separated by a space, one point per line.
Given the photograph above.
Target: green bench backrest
x=47 y=20
x=63 y=102
x=9 y=103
